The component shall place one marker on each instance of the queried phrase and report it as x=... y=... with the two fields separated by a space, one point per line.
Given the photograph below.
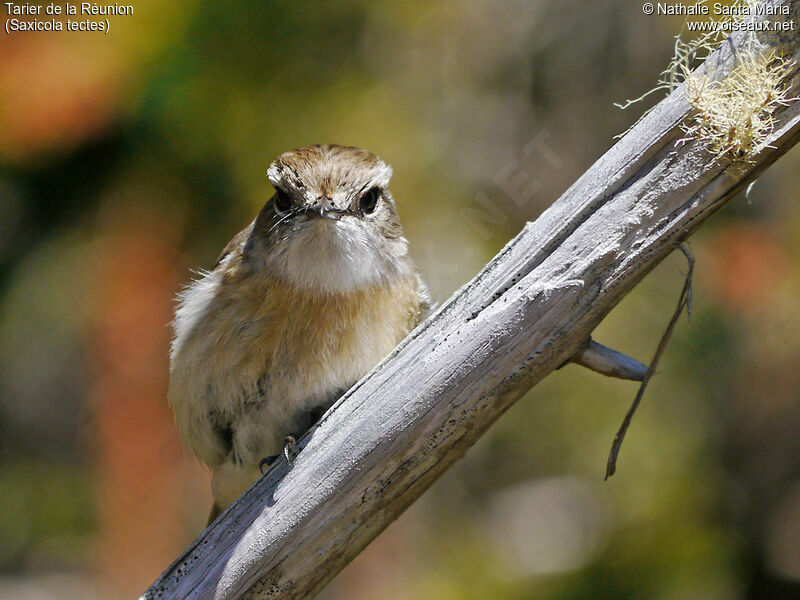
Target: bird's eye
x=283 y=201
x=369 y=201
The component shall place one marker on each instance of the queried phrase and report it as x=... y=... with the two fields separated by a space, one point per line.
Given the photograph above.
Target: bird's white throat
x=332 y=256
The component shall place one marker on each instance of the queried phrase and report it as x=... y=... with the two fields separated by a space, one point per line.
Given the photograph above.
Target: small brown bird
x=299 y=306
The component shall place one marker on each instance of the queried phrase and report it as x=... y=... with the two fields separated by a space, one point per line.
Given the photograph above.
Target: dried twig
x=684 y=301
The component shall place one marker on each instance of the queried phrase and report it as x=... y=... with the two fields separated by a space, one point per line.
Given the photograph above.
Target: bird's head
x=332 y=224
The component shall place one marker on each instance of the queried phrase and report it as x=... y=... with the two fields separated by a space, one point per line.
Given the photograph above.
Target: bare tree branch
x=608 y=361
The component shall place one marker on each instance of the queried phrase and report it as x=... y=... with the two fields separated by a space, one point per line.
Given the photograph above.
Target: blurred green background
x=130 y=158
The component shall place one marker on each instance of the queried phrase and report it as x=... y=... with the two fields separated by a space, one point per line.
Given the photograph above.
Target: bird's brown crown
x=328 y=170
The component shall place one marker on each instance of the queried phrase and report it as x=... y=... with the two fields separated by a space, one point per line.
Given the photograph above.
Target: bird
x=299 y=306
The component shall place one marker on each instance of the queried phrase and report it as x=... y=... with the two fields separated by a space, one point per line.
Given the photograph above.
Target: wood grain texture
x=524 y=315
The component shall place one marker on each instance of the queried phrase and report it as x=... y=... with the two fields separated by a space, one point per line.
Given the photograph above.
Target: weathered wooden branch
x=526 y=313
x=608 y=361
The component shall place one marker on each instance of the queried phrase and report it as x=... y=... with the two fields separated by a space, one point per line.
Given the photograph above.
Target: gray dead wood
x=608 y=361
x=530 y=309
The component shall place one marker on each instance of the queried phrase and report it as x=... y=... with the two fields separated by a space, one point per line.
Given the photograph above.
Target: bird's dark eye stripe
x=369 y=201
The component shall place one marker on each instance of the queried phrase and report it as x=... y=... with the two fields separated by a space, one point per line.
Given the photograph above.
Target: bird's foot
x=290 y=448
x=264 y=463
x=289 y=453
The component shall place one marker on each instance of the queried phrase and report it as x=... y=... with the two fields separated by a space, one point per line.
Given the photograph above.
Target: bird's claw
x=290 y=449
x=264 y=463
x=289 y=453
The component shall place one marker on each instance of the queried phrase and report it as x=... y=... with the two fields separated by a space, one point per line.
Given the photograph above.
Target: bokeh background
x=130 y=158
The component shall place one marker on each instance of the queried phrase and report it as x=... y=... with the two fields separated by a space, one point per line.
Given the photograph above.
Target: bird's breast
x=270 y=352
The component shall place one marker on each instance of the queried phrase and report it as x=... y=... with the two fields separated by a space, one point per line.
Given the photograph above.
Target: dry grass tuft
x=735 y=114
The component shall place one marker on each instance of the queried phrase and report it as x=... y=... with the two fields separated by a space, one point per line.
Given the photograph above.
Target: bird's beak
x=325 y=208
